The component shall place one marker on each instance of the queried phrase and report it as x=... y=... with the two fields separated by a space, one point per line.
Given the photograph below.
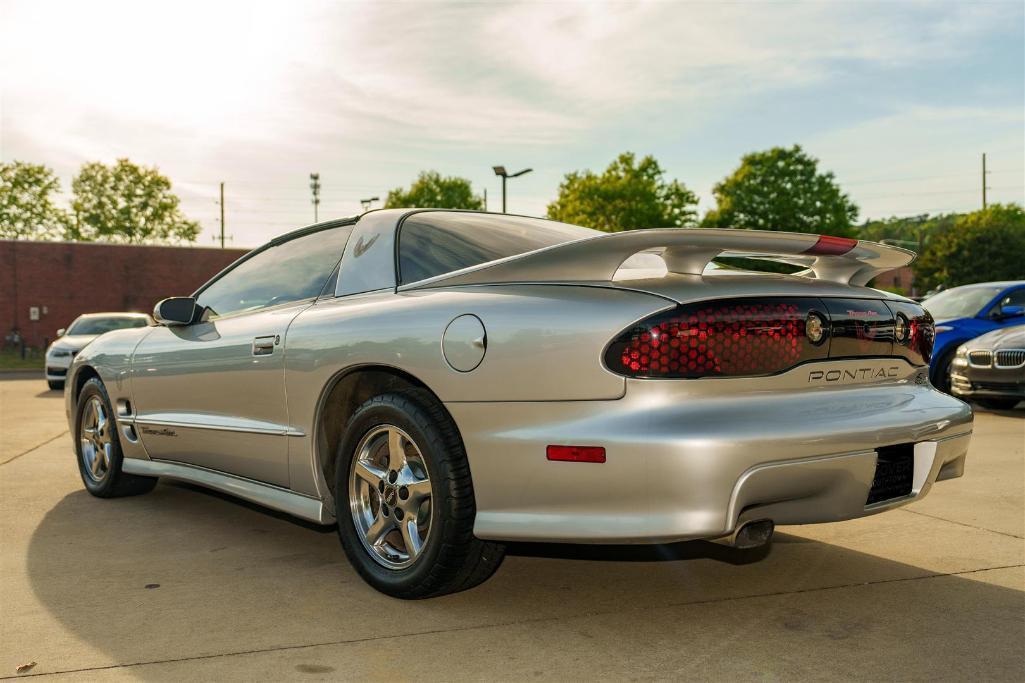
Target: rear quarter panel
x=544 y=343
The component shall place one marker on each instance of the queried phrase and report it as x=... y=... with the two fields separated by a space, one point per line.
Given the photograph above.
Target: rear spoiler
x=685 y=251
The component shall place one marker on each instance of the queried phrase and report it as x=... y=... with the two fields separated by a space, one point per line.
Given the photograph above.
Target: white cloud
x=370 y=93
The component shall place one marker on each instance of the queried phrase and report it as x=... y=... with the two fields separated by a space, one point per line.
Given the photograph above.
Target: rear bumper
x=690 y=460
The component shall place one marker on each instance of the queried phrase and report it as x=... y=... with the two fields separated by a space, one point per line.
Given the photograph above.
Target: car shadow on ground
x=183 y=572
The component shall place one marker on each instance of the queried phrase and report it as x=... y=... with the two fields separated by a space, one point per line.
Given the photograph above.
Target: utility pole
x=485 y=199
x=315 y=188
x=222 y=215
x=223 y=237
x=984 y=172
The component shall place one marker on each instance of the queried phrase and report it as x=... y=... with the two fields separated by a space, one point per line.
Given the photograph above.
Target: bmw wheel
x=404 y=500
x=99 y=448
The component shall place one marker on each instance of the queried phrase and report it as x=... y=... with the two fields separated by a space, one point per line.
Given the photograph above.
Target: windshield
x=102 y=325
x=962 y=302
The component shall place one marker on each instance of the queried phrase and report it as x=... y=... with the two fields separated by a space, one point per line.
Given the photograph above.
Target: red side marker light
x=827 y=245
x=576 y=453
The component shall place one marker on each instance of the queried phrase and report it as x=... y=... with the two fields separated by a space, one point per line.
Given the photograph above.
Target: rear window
x=435 y=243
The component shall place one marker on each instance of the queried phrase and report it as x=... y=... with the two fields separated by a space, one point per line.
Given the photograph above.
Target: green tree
x=910 y=232
x=782 y=189
x=983 y=245
x=431 y=190
x=626 y=196
x=27 y=210
x=127 y=203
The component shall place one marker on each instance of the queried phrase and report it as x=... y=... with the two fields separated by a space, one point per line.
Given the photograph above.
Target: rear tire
x=997 y=403
x=55 y=385
x=435 y=554
x=98 y=447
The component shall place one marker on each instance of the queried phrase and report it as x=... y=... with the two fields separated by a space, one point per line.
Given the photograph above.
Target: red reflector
x=576 y=453
x=831 y=246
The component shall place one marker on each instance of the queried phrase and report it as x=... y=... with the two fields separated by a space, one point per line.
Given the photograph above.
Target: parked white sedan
x=83 y=330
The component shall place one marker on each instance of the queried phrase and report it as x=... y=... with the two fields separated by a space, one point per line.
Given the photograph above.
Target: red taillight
x=719 y=338
x=576 y=453
x=917 y=342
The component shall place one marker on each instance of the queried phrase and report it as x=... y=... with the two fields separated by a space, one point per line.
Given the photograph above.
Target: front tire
x=404 y=500
x=98 y=447
x=55 y=385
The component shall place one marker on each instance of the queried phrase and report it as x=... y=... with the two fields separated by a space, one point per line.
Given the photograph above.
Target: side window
x=1015 y=298
x=291 y=271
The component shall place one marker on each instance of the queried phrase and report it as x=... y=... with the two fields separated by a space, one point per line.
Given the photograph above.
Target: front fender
x=108 y=357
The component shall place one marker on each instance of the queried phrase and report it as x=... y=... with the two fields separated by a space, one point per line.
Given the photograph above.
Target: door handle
x=264 y=346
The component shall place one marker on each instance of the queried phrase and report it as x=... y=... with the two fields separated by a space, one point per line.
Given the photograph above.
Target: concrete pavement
x=183 y=584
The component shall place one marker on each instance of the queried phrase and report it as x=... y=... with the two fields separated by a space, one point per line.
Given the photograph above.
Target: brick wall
x=901 y=278
x=66 y=279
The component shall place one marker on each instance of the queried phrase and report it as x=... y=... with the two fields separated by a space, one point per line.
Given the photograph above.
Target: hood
x=75 y=342
x=1004 y=338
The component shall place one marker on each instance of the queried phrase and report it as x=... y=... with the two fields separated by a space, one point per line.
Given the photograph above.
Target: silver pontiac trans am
x=441 y=382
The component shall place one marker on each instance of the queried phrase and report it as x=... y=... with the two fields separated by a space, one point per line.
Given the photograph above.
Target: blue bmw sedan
x=963 y=313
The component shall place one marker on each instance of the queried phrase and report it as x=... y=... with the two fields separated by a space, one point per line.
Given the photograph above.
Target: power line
x=932 y=192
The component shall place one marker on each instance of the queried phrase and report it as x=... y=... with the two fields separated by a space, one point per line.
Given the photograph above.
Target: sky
x=898 y=99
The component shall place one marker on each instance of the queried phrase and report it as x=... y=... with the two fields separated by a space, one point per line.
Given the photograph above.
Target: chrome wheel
x=96 y=439
x=390 y=497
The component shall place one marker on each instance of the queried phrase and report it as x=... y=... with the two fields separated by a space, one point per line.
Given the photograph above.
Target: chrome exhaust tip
x=754 y=534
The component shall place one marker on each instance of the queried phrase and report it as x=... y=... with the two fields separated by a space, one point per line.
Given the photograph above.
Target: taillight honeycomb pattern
x=723 y=338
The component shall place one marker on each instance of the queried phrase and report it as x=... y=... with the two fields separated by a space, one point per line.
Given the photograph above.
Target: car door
x=211 y=393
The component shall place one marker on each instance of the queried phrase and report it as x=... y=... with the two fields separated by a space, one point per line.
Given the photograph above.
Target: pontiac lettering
x=853 y=375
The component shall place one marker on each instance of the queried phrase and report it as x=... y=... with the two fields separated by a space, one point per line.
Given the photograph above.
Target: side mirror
x=60 y=332
x=178 y=310
x=1011 y=311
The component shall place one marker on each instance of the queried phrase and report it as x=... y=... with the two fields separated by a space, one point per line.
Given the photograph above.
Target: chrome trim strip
x=280 y=431
x=267 y=495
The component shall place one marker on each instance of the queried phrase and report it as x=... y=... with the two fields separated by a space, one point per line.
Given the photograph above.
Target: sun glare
x=200 y=65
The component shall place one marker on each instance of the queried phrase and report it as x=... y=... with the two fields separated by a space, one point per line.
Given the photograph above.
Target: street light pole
x=500 y=171
x=367 y=203
x=315 y=188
